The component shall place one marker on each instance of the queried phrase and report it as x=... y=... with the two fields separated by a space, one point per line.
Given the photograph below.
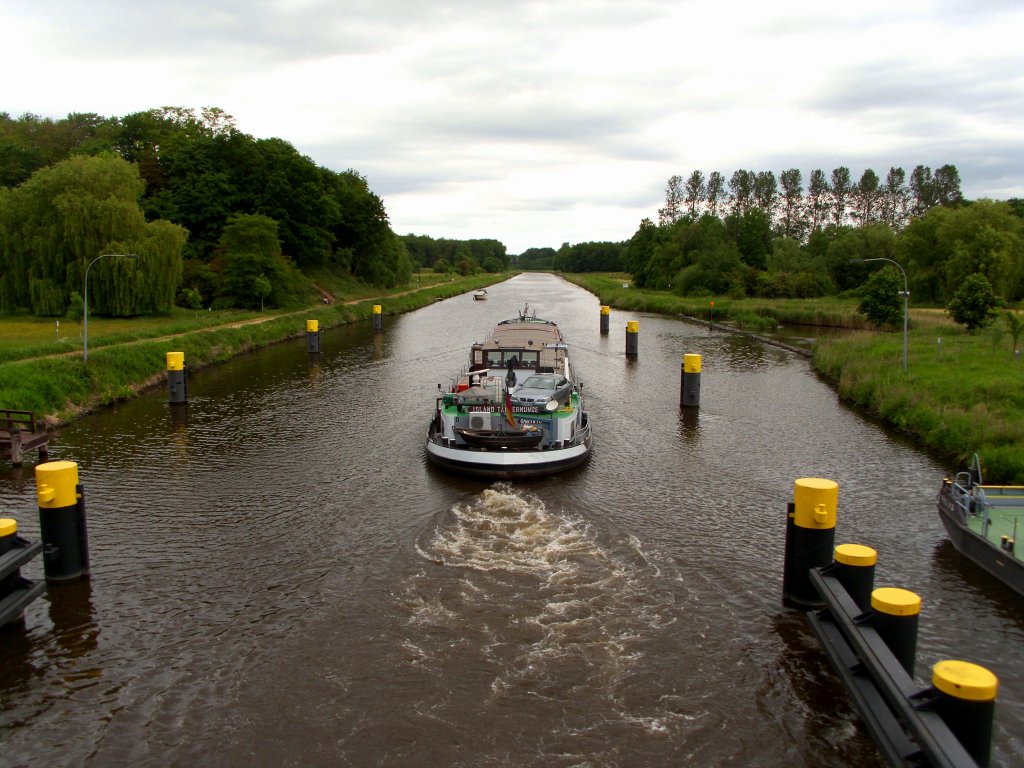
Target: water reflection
x=949 y=566
x=71 y=614
x=828 y=723
x=689 y=426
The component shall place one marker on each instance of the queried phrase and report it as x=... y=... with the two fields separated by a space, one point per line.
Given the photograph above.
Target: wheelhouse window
x=529 y=359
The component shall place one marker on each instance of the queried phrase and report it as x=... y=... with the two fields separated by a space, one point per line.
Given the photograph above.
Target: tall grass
x=960 y=397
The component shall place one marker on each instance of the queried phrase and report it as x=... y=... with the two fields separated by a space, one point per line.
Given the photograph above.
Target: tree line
x=580 y=257
x=462 y=256
x=164 y=185
x=215 y=217
x=754 y=236
x=835 y=199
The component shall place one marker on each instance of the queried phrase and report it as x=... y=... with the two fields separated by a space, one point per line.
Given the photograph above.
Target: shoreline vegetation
x=962 y=393
x=42 y=367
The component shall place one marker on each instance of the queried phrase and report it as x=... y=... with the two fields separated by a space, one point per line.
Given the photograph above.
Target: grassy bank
x=42 y=372
x=960 y=396
x=746 y=314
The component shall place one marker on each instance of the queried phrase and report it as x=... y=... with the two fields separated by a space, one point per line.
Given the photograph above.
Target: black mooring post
x=632 y=339
x=810 y=538
x=313 y=337
x=177 y=378
x=966 y=702
x=854 y=566
x=689 y=386
x=62 y=525
x=896 y=615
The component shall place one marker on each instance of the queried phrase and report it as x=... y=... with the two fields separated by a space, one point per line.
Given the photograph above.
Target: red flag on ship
x=508 y=410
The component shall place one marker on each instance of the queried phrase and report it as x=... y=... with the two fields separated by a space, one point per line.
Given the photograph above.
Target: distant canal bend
x=280 y=578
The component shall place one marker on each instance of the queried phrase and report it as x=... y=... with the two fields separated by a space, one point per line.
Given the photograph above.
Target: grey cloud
x=276 y=31
x=992 y=86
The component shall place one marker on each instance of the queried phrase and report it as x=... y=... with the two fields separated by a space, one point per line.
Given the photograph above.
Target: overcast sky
x=539 y=122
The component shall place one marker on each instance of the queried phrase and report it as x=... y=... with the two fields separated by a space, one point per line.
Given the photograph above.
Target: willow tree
x=65 y=216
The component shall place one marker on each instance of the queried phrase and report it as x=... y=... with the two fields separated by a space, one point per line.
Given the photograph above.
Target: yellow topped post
x=965 y=680
x=378 y=318
x=313 y=336
x=62 y=521
x=896 y=615
x=966 y=702
x=810 y=538
x=815 y=503
x=689 y=385
x=55 y=484
x=894 y=601
x=606 y=312
x=8 y=530
x=177 y=378
x=854 y=566
x=632 y=338
x=856 y=555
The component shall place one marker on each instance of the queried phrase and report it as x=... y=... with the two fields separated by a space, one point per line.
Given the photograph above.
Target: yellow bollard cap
x=691 y=363
x=633 y=326
x=606 y=310
x=312 y=326
x=855 y=554
x=8 y=527
x=894 y=601
x=964 y=680
x=815 y=501
x=376 y=309
x=175 y=361
x=56 y=483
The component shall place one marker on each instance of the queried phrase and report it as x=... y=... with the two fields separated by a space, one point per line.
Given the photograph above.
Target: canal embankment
x=59 y=386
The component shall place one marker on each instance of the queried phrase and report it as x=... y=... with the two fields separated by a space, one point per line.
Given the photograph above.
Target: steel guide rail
x=894 y=708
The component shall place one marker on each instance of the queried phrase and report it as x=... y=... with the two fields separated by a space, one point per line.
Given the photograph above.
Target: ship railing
x=958 y=494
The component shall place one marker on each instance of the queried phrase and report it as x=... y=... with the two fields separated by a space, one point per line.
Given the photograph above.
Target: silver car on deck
x=540 y=389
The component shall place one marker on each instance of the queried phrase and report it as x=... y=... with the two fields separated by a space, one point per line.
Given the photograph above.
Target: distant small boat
x=983 y=522
x=480 y=295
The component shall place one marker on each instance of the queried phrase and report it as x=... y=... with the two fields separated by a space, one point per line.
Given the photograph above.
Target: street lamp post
x=85 y=300
x=905 y=293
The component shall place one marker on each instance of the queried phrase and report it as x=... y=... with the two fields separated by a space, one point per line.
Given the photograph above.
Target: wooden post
x=16 y=450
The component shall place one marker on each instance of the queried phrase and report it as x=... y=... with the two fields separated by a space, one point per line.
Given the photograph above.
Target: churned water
x=280 y=578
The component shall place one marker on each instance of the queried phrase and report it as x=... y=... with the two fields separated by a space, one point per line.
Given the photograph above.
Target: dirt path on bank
x=222 y=326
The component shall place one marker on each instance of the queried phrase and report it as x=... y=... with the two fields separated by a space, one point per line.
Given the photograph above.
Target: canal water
x=280 y=578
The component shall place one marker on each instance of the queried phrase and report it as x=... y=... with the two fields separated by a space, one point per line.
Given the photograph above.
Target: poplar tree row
x=834 y=199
